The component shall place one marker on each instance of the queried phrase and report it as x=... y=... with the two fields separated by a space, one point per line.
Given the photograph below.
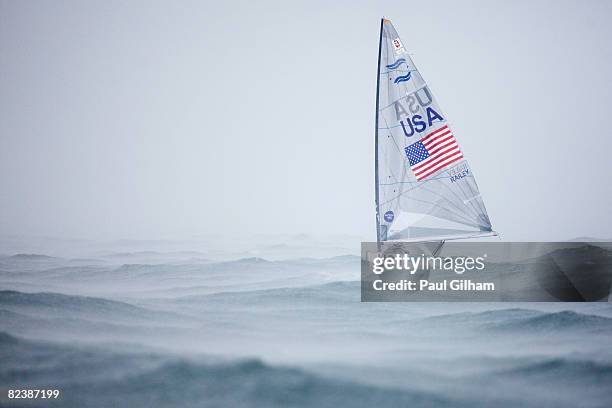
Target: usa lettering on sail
x=432 y=153
x=415 y=113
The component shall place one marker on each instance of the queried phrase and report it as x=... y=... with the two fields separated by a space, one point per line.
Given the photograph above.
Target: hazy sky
x=148 y=119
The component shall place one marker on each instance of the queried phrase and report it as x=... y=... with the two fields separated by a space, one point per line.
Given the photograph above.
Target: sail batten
x=425 y=188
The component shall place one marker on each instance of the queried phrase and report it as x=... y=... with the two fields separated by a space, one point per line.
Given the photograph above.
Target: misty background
x=183 y=186
x=163 y=119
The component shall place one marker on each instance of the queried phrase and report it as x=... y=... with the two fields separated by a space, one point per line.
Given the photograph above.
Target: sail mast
x=382 y=21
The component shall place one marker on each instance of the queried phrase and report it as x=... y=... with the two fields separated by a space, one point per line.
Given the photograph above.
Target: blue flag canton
x=416 y=153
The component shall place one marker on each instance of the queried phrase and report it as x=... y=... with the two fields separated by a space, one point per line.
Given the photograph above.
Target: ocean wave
x=587 y=251
x=482 y=318
x=563 y=367
x=32 y=257
x=28 y=262
x=559 y=322
x=7 y=339
x=46 y=304
x=102 y=379
x=238 y=265
x=313 y=296
x=520 y=320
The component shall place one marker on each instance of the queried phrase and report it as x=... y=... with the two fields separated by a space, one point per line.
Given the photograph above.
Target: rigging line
x=464 y=235
x=400 y=199
x=460 y=214
x=474 y=204
x=395 y=143
x=398 y=70
x=396 y=126
x=461 y=218
x=478 y=235
x=470 y=222
x=399 y=150
x=391 y=175
x=475 y=234
x=406 y=96
x=438 y=248
x=402 y=158
x=475 y=213
x=481 y=204
x=416 y=182
x=390 y=133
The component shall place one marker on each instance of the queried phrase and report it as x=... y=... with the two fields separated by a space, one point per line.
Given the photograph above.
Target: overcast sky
x=154 y=119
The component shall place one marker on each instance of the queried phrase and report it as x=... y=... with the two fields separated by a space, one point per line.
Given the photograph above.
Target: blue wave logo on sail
x=402 y=78
x=396 y=64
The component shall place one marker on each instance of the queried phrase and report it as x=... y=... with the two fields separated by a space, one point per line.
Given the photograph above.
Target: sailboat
x=425 y=188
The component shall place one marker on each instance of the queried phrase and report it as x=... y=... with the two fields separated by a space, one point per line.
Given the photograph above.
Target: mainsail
x=425 y=189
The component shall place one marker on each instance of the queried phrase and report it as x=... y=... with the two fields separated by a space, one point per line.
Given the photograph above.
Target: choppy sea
x=274 y=322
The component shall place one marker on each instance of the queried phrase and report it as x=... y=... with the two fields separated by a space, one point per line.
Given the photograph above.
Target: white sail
x=425 y=189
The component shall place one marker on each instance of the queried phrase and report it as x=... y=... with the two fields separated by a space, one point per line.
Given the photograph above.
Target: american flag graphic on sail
x=432 y=153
